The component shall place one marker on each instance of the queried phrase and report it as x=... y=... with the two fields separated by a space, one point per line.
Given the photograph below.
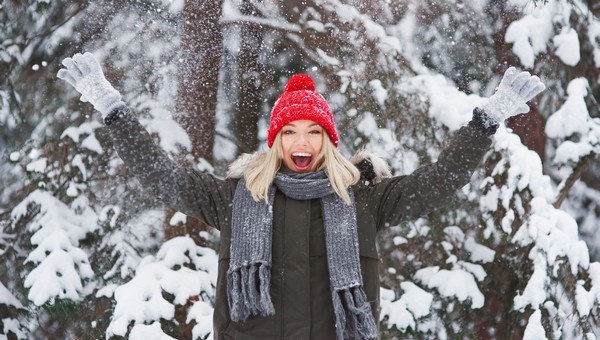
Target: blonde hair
x=261 y=172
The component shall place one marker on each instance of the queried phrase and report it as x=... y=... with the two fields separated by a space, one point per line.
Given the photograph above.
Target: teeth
x=301 y=154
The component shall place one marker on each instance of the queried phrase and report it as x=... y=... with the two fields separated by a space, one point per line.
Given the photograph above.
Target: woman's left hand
x=511 y=97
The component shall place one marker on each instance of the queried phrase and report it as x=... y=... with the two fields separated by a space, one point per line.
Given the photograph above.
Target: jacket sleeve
x=191 y=192
x=430 y=187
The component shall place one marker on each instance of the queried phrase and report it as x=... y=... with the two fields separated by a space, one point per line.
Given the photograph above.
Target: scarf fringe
x=356 y=319
x=246 y=296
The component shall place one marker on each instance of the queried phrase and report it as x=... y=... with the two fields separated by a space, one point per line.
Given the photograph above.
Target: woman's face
x=301 y=141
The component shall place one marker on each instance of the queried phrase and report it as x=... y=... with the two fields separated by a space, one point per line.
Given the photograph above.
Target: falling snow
x=65 y=214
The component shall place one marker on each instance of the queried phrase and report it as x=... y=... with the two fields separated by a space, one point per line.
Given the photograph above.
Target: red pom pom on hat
x=299 y=101
x=300 y=82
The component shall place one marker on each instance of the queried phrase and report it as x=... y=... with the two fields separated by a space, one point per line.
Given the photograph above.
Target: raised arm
x=432 y=186
x=196 y=194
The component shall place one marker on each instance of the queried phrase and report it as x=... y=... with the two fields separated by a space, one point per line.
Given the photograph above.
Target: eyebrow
x=294 y=125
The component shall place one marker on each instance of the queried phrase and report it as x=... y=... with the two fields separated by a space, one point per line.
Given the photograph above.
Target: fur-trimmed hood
x=372 y=168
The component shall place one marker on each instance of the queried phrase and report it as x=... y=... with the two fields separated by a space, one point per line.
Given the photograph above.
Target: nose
x=301 y=139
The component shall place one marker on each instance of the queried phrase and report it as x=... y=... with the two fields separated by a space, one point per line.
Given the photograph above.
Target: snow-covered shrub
x=182 y=275
x=10 y=313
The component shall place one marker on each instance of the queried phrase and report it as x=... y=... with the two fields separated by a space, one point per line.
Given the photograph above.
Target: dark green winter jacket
x=300 y=288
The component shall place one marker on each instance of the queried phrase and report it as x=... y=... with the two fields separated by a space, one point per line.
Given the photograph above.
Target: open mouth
x=302 y=160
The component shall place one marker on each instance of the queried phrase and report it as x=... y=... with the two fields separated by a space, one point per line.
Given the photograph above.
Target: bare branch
x=573 y=177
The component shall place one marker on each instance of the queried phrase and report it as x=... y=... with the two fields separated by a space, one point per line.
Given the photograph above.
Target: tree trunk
x=247 y=109
x=201 y=50
x=530 y=127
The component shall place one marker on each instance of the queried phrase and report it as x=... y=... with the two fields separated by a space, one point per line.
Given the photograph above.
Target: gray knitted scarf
x=249 y=274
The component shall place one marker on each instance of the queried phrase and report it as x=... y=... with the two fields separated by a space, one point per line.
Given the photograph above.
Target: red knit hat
x=299 y=101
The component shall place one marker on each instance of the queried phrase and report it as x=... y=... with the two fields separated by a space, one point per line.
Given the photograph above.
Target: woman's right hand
x=84 y=73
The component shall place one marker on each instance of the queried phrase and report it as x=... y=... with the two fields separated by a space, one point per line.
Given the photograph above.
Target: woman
x=298 y=258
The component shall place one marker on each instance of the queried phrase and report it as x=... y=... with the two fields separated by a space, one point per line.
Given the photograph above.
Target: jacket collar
x=372 y=168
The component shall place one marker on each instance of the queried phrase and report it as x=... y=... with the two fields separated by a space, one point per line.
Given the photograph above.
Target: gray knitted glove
x=511 y=97
x=84 y=73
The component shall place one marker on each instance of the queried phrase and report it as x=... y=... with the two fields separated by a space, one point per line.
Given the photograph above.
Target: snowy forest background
x=85 y=253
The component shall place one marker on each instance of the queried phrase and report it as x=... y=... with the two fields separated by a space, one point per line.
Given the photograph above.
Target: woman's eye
x=288 y=132
x=315 y=132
